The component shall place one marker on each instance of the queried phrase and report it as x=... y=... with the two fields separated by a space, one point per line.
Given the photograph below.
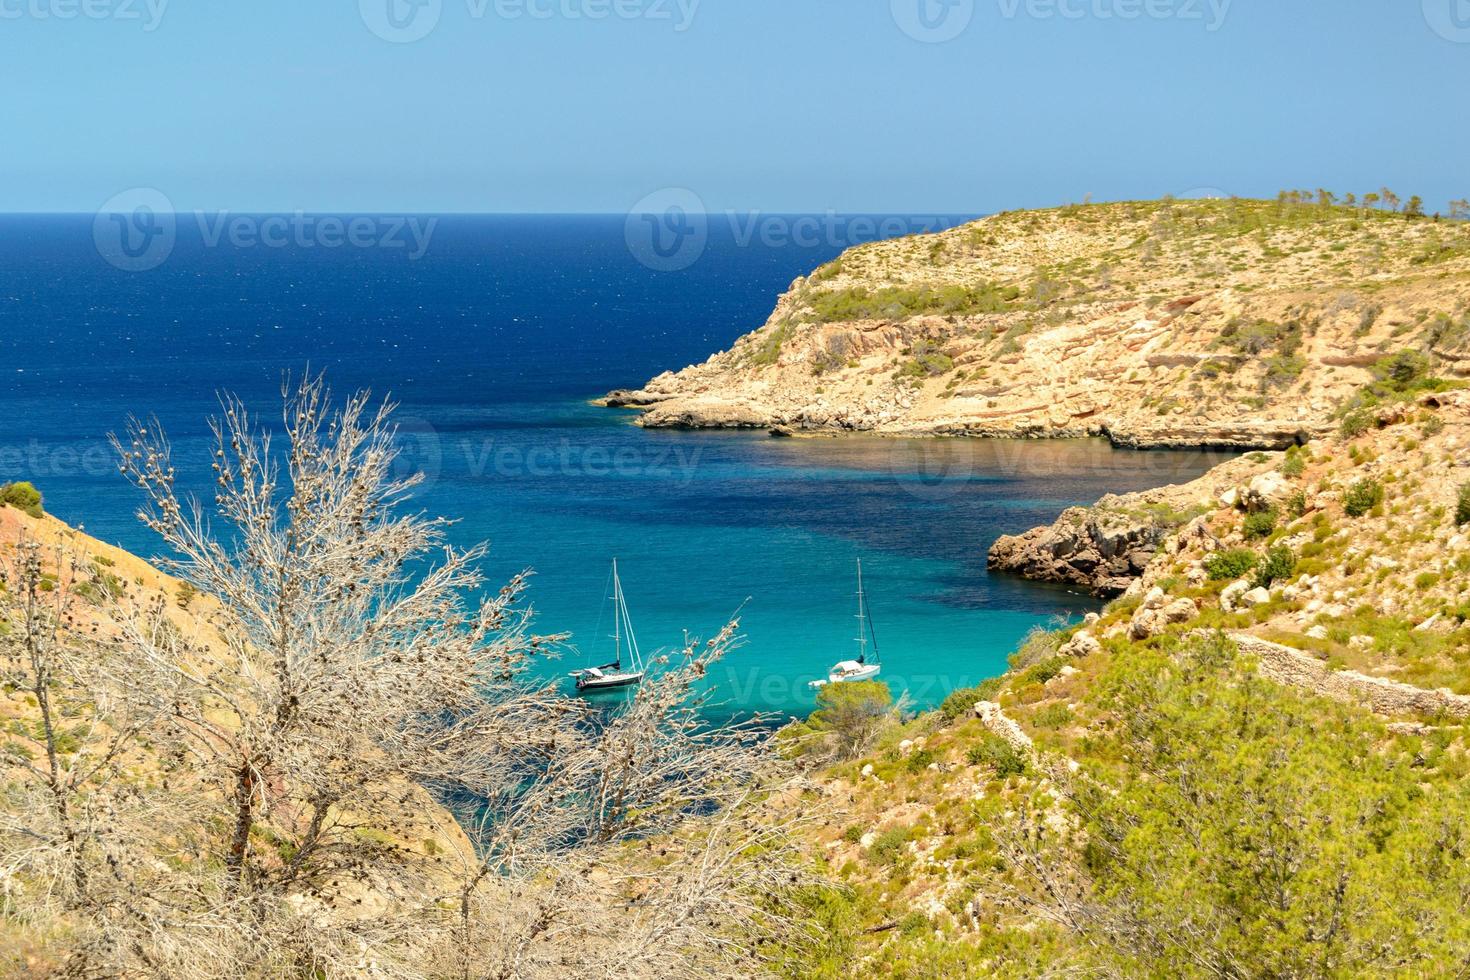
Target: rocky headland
x=1230 y=324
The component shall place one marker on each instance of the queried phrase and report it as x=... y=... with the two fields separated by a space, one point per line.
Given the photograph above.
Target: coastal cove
x=494 y=342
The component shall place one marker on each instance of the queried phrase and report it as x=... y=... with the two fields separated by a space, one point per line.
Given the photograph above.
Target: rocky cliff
x=1107 y=546
x=1241 y=324
x=1350 y=547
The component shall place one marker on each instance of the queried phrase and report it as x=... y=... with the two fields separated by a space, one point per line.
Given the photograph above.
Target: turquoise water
x=493 y=343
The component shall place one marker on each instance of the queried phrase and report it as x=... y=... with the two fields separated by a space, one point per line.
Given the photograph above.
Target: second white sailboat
x=861 y=669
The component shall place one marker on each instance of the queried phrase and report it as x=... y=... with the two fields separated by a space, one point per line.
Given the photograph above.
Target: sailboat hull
x=865 y=673
x=608 y=682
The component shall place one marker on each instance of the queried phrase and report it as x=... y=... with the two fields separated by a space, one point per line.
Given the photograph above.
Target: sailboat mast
x=862 y=637
x=617 y=598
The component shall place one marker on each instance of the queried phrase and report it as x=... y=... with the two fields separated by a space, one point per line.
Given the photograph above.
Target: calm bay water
x=493 y=341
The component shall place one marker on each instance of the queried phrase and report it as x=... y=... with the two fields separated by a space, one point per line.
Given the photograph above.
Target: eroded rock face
x=967 y=332
x=1101 y=550
x=1106 y=547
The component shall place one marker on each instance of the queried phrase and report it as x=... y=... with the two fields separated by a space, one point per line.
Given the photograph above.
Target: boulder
x=1082 y=644
x=1266 y=490
x=1255 y=597
x=1151 y=621
x=1231 y=594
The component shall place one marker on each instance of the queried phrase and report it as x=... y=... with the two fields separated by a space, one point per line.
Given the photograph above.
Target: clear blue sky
x=778 y=105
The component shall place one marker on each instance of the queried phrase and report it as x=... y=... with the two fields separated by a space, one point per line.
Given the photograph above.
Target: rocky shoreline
x=671 y=411
x=1105 y=548
x=1237 y=325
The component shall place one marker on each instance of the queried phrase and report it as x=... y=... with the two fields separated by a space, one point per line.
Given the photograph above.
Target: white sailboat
x=861 y=669
x=613 y=675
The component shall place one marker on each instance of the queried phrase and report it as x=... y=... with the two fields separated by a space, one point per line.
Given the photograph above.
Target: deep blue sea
x=493 y=341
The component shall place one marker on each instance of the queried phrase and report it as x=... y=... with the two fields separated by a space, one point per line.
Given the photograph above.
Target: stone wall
x=1287 y=666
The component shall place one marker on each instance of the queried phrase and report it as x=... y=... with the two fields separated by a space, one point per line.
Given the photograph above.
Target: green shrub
x=1222 y=566
x=888 y=847
x=1042 y=672
x=1261 y=523
x=1462 y=505
x=854 y=713
x=1053 y=716
x=920 y=760
x=1294 y=465
x=891 y=302
x=1280 y=564
x=22 y=496
x=999 y=754
x=771 y=343
x=1406 y=371
x=963 y=701
x=1362 y=497
x=1296 y=504
x=1244 y=809
x=1355 y=423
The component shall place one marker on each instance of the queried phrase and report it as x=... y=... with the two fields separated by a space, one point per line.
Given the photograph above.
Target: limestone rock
x=1231 y=594
x=1151 y=621
x=1255 y=597
x=1082 y=644
x=1099 y=550
x=1266 y=491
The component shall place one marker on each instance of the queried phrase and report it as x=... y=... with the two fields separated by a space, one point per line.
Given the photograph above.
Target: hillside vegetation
x=1229 y=322
x=1253 y=763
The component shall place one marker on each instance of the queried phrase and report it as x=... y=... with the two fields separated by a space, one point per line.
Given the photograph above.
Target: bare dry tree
x=70 y=824
x=356 y=667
